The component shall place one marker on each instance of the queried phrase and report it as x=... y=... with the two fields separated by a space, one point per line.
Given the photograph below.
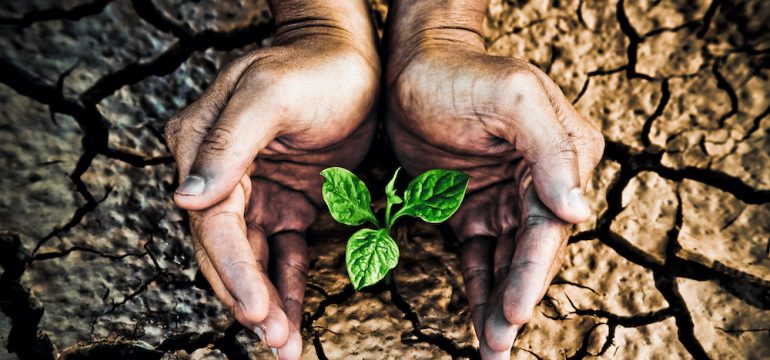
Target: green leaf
x=434 y=195
x=390 y=190
x=347 y=197
x=369 y=256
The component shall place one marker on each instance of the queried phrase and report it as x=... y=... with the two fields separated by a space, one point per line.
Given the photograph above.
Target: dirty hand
x=505 y=123
x=249 y=154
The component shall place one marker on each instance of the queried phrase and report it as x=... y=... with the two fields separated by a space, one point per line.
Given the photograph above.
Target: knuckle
x=297 y=262
x=206 y=225
x=589 y=142
x=533 y=69
x=291 y=301
x=522 y=81
x=200 y=129
x=239 y=266
x=171 y=130
x=212 y=102
x=539 y=220
x=522 y=265
x=521 y=70
x=476 y=274
x=564 y=144
x=516 y=312
x=217 y=141
x=214 y=217
x=249 y=316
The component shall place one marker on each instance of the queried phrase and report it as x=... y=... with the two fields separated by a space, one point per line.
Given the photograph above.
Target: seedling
x=433 y=196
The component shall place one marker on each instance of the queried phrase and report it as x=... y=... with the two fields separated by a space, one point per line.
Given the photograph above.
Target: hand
x=529 y=154
x=249 y=154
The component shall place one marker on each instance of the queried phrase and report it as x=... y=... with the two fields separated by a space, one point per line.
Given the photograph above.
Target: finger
x=499 y=333
x=556 y=266
x=588 y=140
x=476 y=263
x=293 y=348
x=290 y=269
x=185 y=131
x=500 y=327
x=503 y=330
x=488 y=354
x=503 y=254
x=207 y=269
x=274 y=329
x=221 y=233
x=538 y=243
x=537 y=247
x=245 y=126
x=589 y=144
x=549 y=150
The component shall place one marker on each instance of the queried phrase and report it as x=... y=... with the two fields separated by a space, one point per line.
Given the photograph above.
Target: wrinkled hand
x=529 y=154
x=249 y=154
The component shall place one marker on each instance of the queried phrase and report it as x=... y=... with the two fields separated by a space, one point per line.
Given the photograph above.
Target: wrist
x=326 y=21
x=418 y=26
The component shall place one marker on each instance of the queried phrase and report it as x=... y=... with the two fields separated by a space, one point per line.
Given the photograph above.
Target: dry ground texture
x=96 y=263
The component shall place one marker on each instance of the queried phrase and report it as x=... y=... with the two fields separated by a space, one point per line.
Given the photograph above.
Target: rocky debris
x=95 y=259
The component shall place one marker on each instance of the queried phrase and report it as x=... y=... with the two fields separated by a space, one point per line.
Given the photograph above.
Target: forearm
x=345 y=20
x=415 y=24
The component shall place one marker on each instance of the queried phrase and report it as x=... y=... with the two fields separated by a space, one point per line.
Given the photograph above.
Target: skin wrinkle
x=471 y=30
x=217 y=141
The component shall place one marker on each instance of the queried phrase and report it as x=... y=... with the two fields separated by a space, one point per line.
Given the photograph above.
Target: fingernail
x=192 y=185
x=577 y=202
x=260 y=333
x=275 y=352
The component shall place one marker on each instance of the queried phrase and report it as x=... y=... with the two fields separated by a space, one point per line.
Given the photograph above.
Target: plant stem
x=387 y=216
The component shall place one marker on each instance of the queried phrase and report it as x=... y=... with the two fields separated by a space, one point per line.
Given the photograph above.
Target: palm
x=510 y=128
x=250 y=152
x=457 y=134
x=286 y=181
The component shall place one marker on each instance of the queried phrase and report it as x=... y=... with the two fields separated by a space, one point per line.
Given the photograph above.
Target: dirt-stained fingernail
x=192 y=185
x=275 y=352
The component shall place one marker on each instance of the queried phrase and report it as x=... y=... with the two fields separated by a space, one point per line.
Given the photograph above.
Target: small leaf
x=347 y=197
x=390 y=190
x=370 y=254
x=434 y=195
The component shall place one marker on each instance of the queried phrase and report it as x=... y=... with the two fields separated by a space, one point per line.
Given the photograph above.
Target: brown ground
x=676 y=263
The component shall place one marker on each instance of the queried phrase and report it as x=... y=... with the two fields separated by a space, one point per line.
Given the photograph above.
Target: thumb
x=555 y=175
x=226 y=152
x=550 y=152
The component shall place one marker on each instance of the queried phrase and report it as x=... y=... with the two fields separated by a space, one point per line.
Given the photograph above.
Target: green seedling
x=433 y=197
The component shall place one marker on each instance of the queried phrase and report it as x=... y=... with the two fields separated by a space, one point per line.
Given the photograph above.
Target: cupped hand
x=249 y=153
x=529 y=154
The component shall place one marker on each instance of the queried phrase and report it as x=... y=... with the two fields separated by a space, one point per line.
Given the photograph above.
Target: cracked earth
x=676 y=264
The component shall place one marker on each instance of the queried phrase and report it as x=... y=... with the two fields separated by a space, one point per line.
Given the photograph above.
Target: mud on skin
x=95 y=261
